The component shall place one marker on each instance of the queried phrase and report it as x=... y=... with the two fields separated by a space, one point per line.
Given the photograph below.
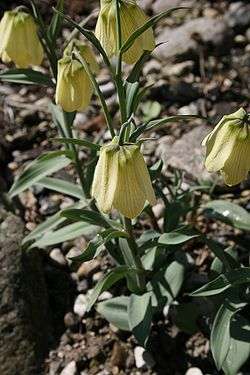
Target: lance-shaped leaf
x=96 y=245
x=110 y=279
x=26 y=76
x=88 y=35
x=140 y=313
x=220 y=335
x=39 y=168
x=150 y=23
x=115 y=311
x=229 y=213
x=56 y=22
x=50 y=224
x=178 y=236
x=61 y=186
x=79 y=142
x=219 y=284
x=66 y=233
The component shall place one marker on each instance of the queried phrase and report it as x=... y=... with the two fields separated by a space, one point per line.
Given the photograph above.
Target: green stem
x=68 y=128
x=118 y=77
x=136 y=256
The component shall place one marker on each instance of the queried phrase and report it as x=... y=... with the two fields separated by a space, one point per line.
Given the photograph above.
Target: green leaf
x=150 y=23
x=61 y=119
x=26 y=76
x=39 y=168
x=61 y=186
x=135 y=73
x=140 y=315
x=87 y=216
x=56 y=22
x=222 y=282
x=220 y=334
x=88 y=35
x=95 y=246
x=150 y=109
x=239 y=347
x=166 y=283
x=229 y=213
x=49 y=224
x=66 y=233
x=110 y=279
x=156 y=124
x=178 y=236
x=79 y=142
x=227 y=257
x=115 y=311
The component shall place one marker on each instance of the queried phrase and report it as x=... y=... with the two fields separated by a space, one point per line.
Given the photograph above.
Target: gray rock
x=238 y=14
x=70 y=369
x=24 y=320
x=187 y=153
x=180 y=40
x=161 y=5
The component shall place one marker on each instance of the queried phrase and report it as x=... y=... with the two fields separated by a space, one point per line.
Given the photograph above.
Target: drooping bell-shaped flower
x=228 y=147
x=132 y=17
x=19 y=40
x=122 y=180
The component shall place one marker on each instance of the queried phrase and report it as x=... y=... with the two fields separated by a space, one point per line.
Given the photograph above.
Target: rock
x=105 y=296
x=80 y=305
x=24 y=313
x=187 y=153
x=152 y=66
x=194 y=371
x=119 y=355
x=58 y=257
x=139 y=360
x=238 y=15
x=146 y=4
x=191 y=109
x=86 y=269
x=178 y=92
x=71 y=320
x=161 y=5
x=70 y=369
x=143 y=358
x=178 y=69
x=181 y=40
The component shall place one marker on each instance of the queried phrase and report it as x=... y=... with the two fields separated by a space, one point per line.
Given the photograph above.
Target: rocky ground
x=202 y=68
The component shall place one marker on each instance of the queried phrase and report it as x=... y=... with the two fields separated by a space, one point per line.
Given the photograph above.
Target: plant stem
x=76 y=156
x=134 y=252
x=118 y=77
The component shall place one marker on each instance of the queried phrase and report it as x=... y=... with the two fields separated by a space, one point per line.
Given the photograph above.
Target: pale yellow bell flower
x=122 y=180
x=86 y=53
x=228 y=147
x=19 y=41
x=132 y=17
x=74 y=88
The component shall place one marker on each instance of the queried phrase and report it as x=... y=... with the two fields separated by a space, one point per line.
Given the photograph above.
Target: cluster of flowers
x=228 y=145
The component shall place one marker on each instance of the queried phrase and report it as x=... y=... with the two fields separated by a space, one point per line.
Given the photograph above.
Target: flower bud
x=19 y=39
x=86 y=53
x=228 y=147
x=121 y=180
x=132 y=17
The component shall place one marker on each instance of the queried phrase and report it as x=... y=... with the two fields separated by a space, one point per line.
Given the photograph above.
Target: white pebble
x=80 y=305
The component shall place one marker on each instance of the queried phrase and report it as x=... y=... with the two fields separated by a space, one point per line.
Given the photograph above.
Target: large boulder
x=24 y=321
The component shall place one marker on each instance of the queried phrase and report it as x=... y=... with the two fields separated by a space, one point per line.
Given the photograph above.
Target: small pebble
x=194 y=371
x=104 y=296
x=70 y=320
x=80 y=305
x=70 y=369
x=58 y=257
